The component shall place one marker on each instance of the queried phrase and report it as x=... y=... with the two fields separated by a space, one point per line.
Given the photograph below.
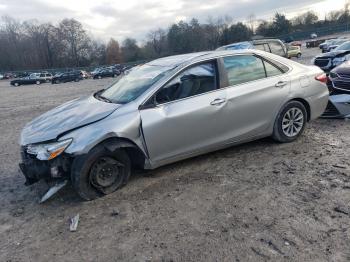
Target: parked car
x=296 y=43
x=85 y=74
x=95 y=71
x=324 y=46
x=67 y=77
x=328 y=61
x=8 y=76
x=171 y=109
x=339 y=79
x=274 y=46
x=313 y=35
x=106 y=72
x=294 y=51
x=336 y=43
x=33 y=78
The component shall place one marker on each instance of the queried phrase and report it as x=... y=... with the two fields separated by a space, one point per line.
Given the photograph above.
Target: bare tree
x=113 y=55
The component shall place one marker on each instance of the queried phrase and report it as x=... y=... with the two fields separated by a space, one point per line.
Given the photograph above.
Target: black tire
x=38 y=82
x=299 y=55
x=16 y=84
x=57 y=81
x=279 y=134
x=99 y=77
x=76 y=80
x=85 y=177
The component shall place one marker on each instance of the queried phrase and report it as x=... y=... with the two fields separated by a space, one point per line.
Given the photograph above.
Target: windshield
x=345 y=46
x=132 y=85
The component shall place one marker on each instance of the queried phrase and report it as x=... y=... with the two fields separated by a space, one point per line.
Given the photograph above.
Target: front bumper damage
x=338 y=107
x=35 y=170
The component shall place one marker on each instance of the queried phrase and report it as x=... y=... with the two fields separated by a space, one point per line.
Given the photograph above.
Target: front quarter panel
x=123 y=123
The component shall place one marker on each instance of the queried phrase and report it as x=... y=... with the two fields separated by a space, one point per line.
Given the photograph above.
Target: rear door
x=188 y=115
x=255 y=93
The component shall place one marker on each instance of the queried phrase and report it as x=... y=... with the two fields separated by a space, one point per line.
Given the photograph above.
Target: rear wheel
x=16 y=84
x=99 y=77
x=76 y=80
x=38 y=82
x=299 y=55
x=57 y=81
x=290 y=122
x=100 y=172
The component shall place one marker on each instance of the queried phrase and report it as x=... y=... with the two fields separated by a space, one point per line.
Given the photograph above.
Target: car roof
x=176 y=60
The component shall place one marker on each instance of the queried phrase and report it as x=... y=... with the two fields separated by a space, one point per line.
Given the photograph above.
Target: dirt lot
x=256 y=202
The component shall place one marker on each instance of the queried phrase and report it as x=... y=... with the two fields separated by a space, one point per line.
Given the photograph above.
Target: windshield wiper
x=102 y=98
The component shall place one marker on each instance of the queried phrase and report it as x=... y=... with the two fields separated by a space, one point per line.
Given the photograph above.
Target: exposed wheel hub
x=105 y=172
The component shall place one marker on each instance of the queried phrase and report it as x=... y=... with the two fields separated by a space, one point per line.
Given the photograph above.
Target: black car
x=108 y=72
x=67 y=77
x=34 y=78
x=339 y=79
x=330 y=60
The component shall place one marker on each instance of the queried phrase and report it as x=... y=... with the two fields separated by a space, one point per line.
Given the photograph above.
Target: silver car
x=168 y=110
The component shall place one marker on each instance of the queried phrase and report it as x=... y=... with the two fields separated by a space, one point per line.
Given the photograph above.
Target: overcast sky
x=134 y=18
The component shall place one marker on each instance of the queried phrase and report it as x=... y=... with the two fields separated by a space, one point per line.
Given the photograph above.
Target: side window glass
x=271 y=70
x=276 y=49
x=196 y=80
x=243 y=68
x=260 y=47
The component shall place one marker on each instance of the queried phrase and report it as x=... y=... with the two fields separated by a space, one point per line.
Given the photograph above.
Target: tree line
x=32 y=45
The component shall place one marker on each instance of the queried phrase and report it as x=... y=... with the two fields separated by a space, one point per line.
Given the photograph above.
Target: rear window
x=246 y=68
x=272 y=70
x=243 y=68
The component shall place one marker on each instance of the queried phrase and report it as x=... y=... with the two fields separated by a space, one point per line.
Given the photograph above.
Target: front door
x=188 y=114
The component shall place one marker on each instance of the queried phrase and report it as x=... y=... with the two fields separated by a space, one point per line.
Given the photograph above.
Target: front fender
x=125 y=126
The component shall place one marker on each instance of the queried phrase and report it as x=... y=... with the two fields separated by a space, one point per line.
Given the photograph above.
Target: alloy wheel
x=293 y=122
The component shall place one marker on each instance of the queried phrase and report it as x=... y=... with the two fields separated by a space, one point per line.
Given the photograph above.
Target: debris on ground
x=53 y=190
x=114 y=213
x=342 y=210
x=74 y=223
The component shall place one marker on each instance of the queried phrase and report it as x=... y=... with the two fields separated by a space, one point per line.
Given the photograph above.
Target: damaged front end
x=338 y=107
x=45 y=161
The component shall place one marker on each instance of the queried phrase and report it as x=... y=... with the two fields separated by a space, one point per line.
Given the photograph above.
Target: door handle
x=218 y=101
x=281 y=84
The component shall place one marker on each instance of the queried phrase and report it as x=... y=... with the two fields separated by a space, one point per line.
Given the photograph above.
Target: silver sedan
x=171 y=109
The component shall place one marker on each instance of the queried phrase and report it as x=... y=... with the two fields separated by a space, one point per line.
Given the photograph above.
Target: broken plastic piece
x=74 y=223
x=53 y=190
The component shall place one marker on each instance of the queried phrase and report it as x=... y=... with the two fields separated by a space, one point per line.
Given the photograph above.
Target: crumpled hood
x=71 y=115
x=333 y=54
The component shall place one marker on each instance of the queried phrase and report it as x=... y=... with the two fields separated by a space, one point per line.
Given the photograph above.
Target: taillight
x=322 y=78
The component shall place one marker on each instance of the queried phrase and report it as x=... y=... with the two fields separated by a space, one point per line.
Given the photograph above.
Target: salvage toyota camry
x=168 y=110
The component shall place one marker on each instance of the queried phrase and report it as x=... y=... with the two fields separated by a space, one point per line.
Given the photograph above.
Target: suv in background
x=274 y=46
x=67 y=77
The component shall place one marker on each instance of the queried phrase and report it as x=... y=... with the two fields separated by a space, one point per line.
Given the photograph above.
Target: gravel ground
x=260 y=201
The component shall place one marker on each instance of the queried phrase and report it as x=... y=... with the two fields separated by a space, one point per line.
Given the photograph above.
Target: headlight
x=339 y=60
x=48 y=151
